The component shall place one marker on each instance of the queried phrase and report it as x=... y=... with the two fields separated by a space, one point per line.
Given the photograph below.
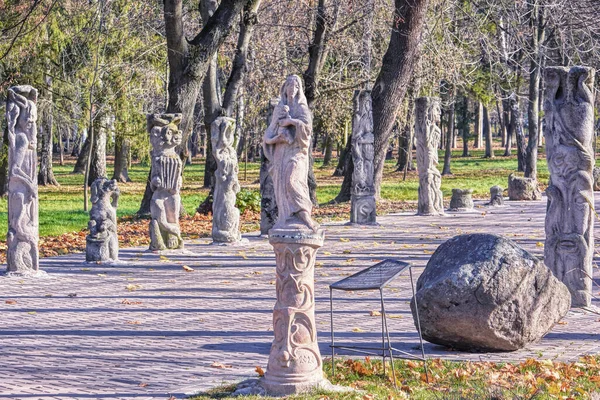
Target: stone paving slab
x=148 y=329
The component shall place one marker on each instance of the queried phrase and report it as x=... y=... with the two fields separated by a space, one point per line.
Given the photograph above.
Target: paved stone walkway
x=149 y=329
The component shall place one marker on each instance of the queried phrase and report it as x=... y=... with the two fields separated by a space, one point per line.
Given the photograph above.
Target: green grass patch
x=531 y=379
x=61 y=208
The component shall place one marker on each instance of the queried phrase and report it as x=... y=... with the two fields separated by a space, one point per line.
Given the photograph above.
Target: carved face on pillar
x=164 y=132
x=569 y=220
x=22 y=113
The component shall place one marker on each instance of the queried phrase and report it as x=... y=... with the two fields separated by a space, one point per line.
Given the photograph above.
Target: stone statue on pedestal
x=286 y=144
x=363 y=206
x=102 y=243
x=165 y=181
x=428 y=133
x=295 y=363
x=22 y=256
x=226 y=217
x=569 y=132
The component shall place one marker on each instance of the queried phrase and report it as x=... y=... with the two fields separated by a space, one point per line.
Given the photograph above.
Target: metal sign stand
x=377 y=277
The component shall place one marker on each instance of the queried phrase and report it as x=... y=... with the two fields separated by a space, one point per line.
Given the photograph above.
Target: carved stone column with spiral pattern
x=295 y=363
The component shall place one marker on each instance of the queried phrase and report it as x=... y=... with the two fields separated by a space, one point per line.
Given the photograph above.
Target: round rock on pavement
x=482 y=292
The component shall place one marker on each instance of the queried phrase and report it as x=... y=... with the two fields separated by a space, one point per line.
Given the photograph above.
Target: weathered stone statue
x=496 y=196
x=22 y=256
x=363 y=206
x=102 y=243
x=462 y=200
x=226 y=217
x=428 y=133
x=569 y=132
x=165 y=181
x=295 y=363
x=268 y=206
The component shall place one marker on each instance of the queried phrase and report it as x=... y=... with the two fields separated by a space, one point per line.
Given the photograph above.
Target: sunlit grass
x=61 y=208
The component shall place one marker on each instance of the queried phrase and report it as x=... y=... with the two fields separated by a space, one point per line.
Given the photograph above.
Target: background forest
x=102 y=65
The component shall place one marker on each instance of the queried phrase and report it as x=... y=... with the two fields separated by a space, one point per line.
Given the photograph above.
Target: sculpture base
x=25 y=274
x=241 y=242
x=363 y=209
x=282 y=388
x=258 y=387
x=98 y=250
x=295 y=363
x=430 y=214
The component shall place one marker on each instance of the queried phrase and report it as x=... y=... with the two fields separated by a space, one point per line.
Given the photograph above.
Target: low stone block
x=461 y=200
x=520 y=188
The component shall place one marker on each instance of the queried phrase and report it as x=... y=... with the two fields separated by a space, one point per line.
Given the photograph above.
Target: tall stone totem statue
x=569 y=131
x=22 y=256
x=363 y=208
x=226 y=217
x=165 y=181
x=268 y=206
x=295 y=363
x=428 y=133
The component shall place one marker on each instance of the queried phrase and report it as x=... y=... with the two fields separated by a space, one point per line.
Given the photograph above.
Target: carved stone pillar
x=569 y=132
x=226 y=217
x=165 y=181
x=428 y=133
x=363 y=206
x=268 y=205
x=295 y=363
x=22 y=256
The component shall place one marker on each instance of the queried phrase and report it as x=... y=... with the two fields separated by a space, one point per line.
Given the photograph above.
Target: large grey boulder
x=482 y=292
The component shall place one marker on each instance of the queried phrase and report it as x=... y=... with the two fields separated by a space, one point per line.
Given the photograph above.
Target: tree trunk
x=487 y=133
x=342 y=167
x=317 y=54
x=98 y=161
x=4 y=164
x=346 y=190
x=46 y=175
x=394 y=76
x=537 y=36
x=517 y=127
x=239 y=125
x=512 y=104
x=61 y=148
x=122 y=155
x=328 y=150
x=77 y=144
x=82 y=158
x=465 y=126
x=479 y=127
x=449 y=137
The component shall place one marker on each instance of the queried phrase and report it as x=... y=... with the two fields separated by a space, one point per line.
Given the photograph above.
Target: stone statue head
x=222 y=132
x=103 y=189
x=21 y=112
x=164 y=131
x=363 y=103
x=292 y=92
x=435 y=111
